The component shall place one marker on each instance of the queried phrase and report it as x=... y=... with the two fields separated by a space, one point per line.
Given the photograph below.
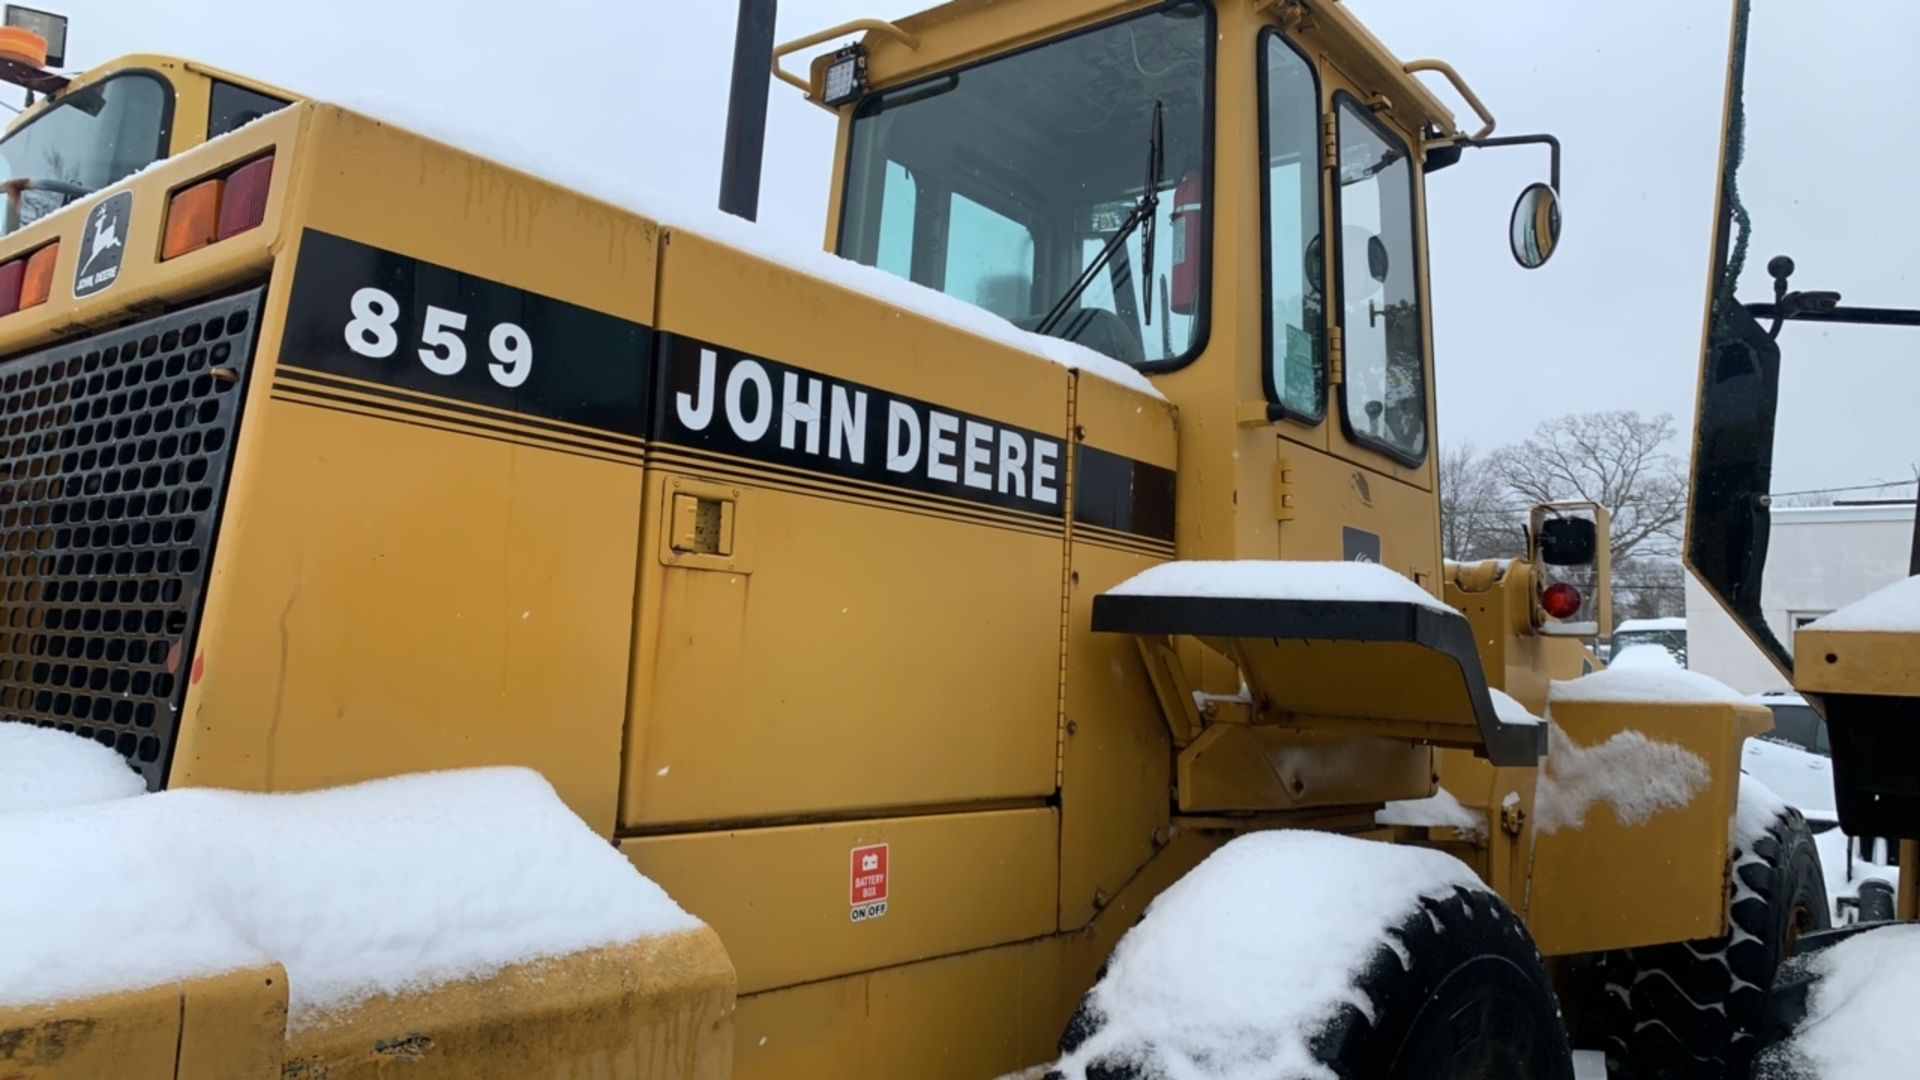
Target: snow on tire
x=1316 y=956
x=1695 y=1009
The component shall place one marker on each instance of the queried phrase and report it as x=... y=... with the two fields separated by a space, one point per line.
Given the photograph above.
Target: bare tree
x=1476 y=520
x=1622 y=460
x=1648 y=587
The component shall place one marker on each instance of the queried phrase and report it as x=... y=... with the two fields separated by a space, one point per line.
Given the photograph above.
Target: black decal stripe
x=372 y=411
x=587 y=367
x=294 y=374
x=1123 y=494
x=702 y=392
x=752 y=476
x=1124 y=541
x=882 y=491
x=459 y=423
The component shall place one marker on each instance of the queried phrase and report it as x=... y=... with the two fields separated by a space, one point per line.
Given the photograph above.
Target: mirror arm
x=1552 y=144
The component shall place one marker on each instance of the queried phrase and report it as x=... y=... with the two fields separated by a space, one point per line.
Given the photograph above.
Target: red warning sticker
x=867 y=887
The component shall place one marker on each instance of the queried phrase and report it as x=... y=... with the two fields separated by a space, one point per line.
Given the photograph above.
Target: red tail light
x=216 y=207
x=244 y=203
x=1561 y=600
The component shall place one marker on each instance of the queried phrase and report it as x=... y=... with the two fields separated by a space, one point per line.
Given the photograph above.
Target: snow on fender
x=1291 y=955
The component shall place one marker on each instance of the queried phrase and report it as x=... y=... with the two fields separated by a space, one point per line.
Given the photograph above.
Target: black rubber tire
x=1471 y=1001
x=1695 y=1010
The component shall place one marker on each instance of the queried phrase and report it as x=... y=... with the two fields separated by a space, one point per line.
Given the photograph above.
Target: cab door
x=1345 y=365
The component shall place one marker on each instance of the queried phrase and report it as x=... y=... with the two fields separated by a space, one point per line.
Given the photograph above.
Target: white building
x=1818 y=558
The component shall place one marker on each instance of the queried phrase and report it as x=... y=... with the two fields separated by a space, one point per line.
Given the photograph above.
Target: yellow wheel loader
x=988 y=633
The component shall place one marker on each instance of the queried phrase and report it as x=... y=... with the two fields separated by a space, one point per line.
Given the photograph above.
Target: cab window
x=1002 y=184
x=234 y=107
x=1290 y=201
x=1384 y=393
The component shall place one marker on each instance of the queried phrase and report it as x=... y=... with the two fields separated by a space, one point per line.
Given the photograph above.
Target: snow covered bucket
x=459 y=924
x=1642 y=774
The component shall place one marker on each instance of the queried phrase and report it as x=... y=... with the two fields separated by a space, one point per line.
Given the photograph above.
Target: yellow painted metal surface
x=1115 y=745
x=863 y=599
x=648 y=1010
x=967 y=1017
x=782 y=897
x=222 y=1027
x=1856 y=662
x=402 y=583
x=1260 y=767
x=1612 y=884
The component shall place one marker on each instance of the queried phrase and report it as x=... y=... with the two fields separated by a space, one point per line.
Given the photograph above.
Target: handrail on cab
x=876 y=26
x=1460 y=85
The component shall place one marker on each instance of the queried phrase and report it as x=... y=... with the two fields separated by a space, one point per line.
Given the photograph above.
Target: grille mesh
x=113 y=467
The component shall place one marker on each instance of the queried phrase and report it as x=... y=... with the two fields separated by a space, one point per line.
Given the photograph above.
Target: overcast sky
x=1632 y=88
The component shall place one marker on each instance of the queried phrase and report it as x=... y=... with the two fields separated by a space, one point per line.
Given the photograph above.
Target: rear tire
x=1694 y=1010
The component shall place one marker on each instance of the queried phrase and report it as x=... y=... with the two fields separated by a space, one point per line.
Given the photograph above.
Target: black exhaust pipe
x=747 y=109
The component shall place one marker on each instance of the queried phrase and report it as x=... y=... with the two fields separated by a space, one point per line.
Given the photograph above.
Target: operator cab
x=101 y=127
x=1222 y=194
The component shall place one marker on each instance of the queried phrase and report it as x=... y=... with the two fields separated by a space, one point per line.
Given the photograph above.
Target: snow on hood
x=41 y=769
x=1643 y=656
x=1648 y=684
x=1638 y=777
x=1803 y=779
x=376 y=888
x=1667 y=623
x=1237 y=965
x=1894 y=609
x=493 y=143
x=1859 y=1023
x=1262 y=579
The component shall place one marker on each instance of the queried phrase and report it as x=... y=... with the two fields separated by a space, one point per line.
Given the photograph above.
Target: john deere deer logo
x=105 y=238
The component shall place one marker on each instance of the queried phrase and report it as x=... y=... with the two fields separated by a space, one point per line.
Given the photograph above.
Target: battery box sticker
x=867 y=887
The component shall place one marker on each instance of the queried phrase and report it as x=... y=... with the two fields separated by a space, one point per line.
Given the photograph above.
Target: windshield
x=94 y=137
x=999 y=184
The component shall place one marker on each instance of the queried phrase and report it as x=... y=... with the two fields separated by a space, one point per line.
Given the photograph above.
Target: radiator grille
x=113 y=467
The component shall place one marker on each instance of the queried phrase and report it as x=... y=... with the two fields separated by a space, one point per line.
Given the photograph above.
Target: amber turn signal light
x=37 y=284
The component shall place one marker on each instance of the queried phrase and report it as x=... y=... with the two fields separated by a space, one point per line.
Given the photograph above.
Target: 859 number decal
x=372 y=332
x=381 y=318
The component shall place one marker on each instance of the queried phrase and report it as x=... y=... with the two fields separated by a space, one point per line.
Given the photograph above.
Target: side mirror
x=1568 y=541
x=1535 y=229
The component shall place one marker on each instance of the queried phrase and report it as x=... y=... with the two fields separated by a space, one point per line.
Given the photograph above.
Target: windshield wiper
x=1143 y=217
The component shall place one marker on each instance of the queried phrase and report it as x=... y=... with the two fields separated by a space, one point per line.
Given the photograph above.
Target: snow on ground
x=1637 y=776
x=375 y=888
x=1844 y=878
x=619 y=190
x=1894 y=609
x=1439 y=810
x=1663 y=683
x=41 y=769
x=1263 y=579
x=1283 y=948
x=1859 y=1023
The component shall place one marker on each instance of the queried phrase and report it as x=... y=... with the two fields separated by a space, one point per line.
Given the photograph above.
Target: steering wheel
x=19 y=186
